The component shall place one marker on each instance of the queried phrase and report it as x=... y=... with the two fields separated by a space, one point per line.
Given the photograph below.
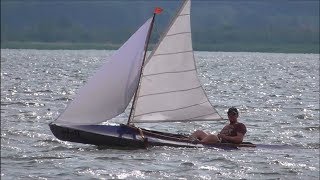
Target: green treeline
x=265 y=26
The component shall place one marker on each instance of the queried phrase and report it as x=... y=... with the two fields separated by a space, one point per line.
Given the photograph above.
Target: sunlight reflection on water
x=277 y=96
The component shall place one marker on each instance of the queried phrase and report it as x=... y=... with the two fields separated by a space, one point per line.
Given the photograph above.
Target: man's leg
x=210 y=139
x=199 y=135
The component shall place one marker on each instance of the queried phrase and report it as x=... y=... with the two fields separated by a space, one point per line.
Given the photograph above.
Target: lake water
x=277 y=95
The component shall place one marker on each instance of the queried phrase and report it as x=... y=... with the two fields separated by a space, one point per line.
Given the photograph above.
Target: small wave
x=311 y=146
x=31 y=158
x=187 y=164
x=60 y=148
x=44 y=91
x=51 y=140
x=63 y=99
x=292 y=146
x=108 y=158
x=48 y=157
x=276 y=146
x=304 y=116
x=24 y=104
x=4 y=103
x=117 y=147
x=26 y=133
x=312 y=128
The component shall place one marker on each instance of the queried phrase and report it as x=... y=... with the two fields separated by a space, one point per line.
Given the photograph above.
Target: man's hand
x=234 y=139
x=222 y=136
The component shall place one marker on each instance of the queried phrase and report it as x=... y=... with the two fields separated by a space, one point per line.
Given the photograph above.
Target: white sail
x=109 y=91
x=170 y=89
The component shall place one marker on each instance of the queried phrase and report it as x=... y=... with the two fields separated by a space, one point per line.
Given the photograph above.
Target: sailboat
x=161 y=87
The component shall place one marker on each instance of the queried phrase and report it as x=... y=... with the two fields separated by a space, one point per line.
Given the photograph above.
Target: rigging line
x=171 y=109
x=172 y=53
x=168 y=92
x=172 y=72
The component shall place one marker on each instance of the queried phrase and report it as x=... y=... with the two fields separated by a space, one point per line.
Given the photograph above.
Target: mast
x=156 y=11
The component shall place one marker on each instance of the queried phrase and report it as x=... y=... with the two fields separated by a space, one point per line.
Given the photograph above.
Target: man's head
x=233 y=114
x=233 y=111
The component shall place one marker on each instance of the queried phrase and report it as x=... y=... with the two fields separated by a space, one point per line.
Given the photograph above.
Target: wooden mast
x=143 y=63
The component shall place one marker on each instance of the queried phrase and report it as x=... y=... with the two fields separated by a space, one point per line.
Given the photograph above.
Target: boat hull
x=123 y=136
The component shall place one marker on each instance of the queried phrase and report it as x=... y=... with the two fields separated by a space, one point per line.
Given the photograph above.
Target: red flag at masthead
x=158 y=10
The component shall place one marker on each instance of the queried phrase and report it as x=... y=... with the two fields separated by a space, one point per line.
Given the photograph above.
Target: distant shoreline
x=226 y=47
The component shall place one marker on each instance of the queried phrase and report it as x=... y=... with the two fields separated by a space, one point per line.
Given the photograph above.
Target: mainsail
x=109 y=91
x=170 y=89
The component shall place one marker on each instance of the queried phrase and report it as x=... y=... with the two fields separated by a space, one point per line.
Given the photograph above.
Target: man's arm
x=234 y=139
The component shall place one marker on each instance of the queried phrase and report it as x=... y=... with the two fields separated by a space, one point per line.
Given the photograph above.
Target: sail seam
x=169 y=72
x=173 y=53
x=171 y=109
x=202 y=116
x=168 y=92
x=168 y=35
x=175 y=120
x=184 y=15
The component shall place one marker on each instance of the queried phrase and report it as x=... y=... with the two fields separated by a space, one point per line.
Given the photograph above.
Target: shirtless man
x=232 y=133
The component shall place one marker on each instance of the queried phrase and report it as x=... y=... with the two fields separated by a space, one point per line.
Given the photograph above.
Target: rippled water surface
x=277 y=95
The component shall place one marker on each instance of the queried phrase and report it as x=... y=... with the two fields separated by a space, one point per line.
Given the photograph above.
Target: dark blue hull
x=123 y=136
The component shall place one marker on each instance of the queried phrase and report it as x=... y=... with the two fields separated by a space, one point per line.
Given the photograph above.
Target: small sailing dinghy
x=164 y=88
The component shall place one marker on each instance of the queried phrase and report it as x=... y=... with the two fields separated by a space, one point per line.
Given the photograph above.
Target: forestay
x=109 y=91
x=170 y=89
